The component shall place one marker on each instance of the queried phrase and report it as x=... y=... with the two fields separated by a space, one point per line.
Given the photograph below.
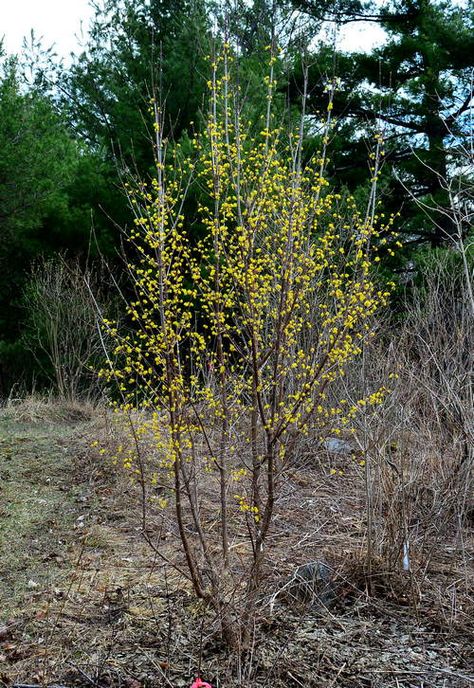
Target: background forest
x=71 y=136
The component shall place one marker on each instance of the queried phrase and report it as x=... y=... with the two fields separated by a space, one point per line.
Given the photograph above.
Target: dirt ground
x=85 y=602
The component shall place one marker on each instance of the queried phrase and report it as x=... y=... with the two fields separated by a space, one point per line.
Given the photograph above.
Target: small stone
x=311 y=583
x=336 y=445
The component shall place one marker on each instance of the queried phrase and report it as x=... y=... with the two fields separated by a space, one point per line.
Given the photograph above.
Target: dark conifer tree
x=418 y=86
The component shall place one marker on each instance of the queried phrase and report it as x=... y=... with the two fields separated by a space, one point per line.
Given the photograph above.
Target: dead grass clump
x=357 y=579
x=47 y=409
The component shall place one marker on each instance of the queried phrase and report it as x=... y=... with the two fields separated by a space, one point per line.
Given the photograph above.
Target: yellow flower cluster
x=246 y=508
x=244 y=328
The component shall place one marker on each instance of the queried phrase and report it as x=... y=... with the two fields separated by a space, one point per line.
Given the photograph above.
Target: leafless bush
x=61 y=324
x=417 y=448
x=437 y=341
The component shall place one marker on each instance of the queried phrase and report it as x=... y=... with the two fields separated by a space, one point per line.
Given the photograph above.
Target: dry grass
x=110 y=612
x=35 y=408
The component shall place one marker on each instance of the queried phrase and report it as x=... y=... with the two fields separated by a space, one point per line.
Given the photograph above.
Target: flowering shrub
x=239 y=336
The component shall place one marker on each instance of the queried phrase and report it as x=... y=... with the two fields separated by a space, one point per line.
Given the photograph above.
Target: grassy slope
x=37 y=506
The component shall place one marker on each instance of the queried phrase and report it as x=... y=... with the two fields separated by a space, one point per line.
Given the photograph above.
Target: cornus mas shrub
x=238 y=336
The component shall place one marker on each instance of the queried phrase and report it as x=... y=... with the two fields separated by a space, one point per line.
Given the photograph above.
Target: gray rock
x=336 y=445
x=311 y=584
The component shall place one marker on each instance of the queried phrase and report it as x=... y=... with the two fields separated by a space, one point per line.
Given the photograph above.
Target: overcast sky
x=57 y=21
x=63 y=21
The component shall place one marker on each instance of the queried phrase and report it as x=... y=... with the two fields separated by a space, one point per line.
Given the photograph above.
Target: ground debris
x=104 y=612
